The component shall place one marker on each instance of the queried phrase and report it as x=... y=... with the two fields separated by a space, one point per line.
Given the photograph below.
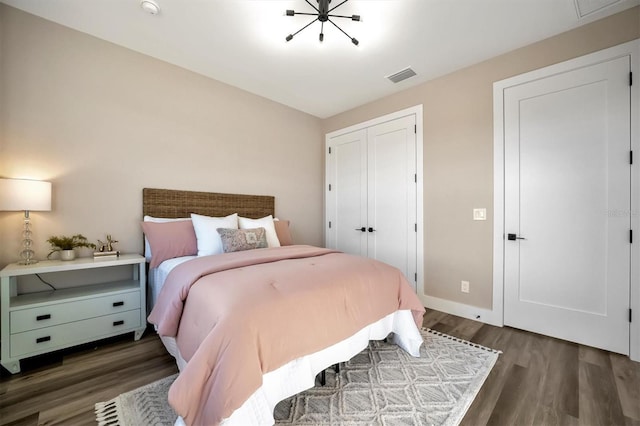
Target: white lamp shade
x=24 y=194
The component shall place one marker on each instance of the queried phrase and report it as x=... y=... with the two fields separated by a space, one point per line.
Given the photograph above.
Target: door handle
x=513 y=237
x=363 y=229
x=371 y=229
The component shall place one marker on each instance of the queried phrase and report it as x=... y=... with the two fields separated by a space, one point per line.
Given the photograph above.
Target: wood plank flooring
x=537 y=380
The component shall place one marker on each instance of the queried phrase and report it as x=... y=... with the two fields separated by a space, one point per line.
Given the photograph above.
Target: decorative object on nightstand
x=66 y=245
x=25 y=195
x=105 y=249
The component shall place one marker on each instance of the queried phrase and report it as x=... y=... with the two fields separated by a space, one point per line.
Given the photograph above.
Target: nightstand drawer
x=59 y=336
x=46 y=316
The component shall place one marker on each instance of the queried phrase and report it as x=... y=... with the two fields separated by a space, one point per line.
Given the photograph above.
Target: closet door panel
x=391 y=194
x=347 y=198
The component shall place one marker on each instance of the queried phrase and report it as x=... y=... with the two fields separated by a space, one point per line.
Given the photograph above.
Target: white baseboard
x=475 y=313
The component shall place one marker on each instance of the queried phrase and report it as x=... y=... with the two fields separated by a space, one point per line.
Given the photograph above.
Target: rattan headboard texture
x=176 y=203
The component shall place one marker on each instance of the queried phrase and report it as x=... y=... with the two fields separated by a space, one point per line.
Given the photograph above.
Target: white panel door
x=347 y=202
x=391 y=212
x=372 y=193
x=567 y=204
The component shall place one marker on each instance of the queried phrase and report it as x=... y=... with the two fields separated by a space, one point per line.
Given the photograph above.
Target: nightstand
x=37 y=323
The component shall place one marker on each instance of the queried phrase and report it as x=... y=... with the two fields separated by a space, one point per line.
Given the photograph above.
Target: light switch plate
x=479 y=214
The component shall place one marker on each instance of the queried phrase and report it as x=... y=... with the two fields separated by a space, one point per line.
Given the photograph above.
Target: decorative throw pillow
x=242 y=239
x=283 y=233
x=266 y=223
x=206 y=234
x=169 y=240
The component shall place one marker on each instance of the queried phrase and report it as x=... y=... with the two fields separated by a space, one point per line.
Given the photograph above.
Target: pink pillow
x=169 y=240
x=282 y=231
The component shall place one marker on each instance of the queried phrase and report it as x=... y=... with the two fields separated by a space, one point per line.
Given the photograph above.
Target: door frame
x=417 y=111
x=631 y=49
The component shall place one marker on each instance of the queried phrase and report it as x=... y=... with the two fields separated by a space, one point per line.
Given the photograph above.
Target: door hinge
x=329 y=187
x=415 y=178
x=415 y=128
x=329 y=224
x=630 y=157
x=630 y=78
x=415 y=227
x=630 y=314
x=329 y=150
x=415 y=277
x=631 y=236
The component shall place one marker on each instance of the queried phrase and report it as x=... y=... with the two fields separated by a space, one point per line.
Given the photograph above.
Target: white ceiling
x=242 y=42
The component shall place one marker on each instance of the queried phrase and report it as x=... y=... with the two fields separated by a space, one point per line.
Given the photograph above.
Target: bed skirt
x=299 y=374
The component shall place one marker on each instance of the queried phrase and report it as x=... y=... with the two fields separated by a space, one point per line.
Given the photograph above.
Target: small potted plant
x=66 y=245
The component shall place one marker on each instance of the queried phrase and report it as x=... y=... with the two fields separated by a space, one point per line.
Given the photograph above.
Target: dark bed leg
x=323 y=374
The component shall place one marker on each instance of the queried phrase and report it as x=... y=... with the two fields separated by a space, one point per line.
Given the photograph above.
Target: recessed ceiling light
x=150 y=7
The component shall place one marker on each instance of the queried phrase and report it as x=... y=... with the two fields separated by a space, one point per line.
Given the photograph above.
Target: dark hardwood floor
x=537 y=380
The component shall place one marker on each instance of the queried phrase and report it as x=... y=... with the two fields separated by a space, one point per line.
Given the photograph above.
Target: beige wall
x=458 y=152
x=101 y=122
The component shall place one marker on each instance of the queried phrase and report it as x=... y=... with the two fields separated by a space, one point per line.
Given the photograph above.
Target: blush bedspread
x=248 y=313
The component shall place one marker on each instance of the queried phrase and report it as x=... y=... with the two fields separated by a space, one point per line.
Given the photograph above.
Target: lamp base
x=27 y=252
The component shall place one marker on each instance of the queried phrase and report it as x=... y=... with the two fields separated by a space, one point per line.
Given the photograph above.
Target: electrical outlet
x=464 y=286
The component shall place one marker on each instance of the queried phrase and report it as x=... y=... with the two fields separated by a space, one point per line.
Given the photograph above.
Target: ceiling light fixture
x=323 y=14
x=150 y=6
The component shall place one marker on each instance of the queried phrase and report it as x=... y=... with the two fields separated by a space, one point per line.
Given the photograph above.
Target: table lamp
x=25 y=195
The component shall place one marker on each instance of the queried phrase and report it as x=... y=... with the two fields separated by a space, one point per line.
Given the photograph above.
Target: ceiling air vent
x=587 y=7
x=401 y=75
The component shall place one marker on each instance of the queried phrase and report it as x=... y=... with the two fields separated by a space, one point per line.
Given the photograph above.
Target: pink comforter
x=252 y=312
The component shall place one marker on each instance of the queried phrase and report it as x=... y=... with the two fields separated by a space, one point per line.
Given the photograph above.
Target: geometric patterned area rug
x=382 y=385
x=144 y=406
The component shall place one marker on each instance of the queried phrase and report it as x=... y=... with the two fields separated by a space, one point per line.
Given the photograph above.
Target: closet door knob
x=372 y=230
x=363 y=229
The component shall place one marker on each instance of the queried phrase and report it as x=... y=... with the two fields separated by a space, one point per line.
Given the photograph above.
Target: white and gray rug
x=382 y=385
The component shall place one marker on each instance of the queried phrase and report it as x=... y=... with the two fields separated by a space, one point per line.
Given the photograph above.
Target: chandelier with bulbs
x=323 y=14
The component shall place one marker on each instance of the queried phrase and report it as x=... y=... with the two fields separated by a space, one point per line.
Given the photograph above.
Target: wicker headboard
x=175 y=203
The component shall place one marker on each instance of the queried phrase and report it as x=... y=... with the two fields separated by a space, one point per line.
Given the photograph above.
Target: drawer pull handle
x=118 y=304
x=43 y=339
x=118 y=323
x=43 y=317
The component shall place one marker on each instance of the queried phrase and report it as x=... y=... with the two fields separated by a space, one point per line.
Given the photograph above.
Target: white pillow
x=207 y=236
x=147 y=247
x=266 y=223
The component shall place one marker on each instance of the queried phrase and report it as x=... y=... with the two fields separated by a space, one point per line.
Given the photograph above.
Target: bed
x=250 y=328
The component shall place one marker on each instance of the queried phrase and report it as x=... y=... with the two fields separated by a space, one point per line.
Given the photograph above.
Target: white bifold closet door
x=372 y=193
